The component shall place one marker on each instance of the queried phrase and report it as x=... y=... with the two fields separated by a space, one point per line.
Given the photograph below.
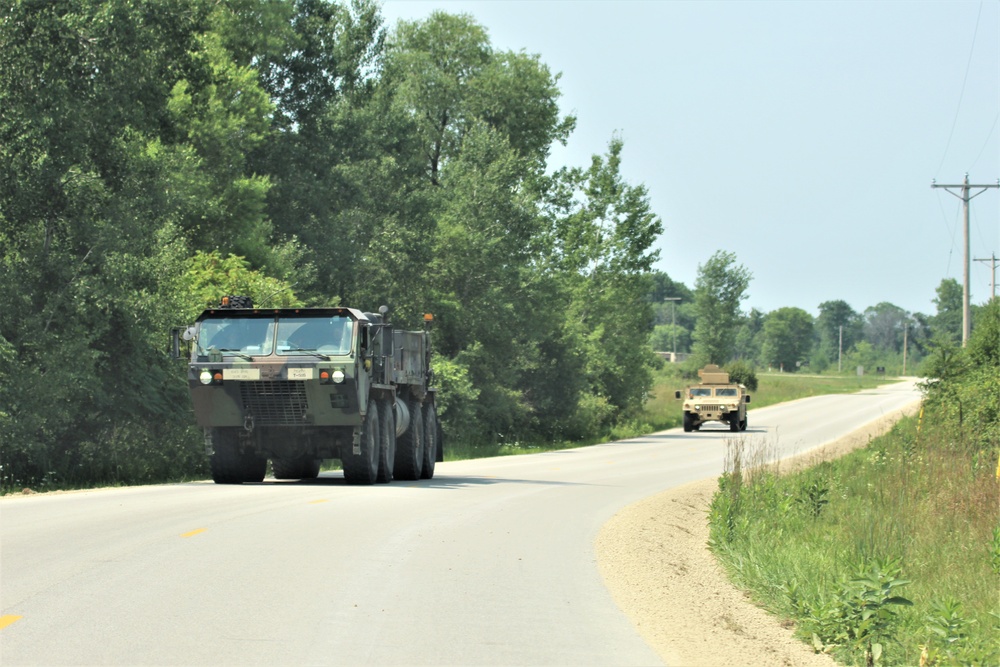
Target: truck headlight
x=205 y=377
x=338 y=376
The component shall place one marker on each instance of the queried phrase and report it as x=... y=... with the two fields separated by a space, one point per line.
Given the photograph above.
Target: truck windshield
x=701 y=391
x=244 y=335
x=725 y=392
x=323 y=335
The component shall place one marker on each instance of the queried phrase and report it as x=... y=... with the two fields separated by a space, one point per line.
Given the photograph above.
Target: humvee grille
x=711 y=408
x=275 y=402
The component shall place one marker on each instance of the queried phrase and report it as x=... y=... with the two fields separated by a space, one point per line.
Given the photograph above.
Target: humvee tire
x=363 y=468
x=688 y=422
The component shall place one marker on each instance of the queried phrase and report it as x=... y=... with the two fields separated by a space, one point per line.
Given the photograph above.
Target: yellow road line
x=194 y=532
x=317 y=502
x=7 y=620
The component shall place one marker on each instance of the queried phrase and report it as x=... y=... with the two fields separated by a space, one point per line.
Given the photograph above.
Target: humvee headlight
x=205 y=377
x=338 y=376
x=697 y=407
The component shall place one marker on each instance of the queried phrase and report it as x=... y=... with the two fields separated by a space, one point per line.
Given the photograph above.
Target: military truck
x=300 y=385
x=715 y=399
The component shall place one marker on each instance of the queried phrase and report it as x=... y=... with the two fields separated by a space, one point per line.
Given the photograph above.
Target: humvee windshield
x=256 y=335
x=701 y=391
x=726 y=392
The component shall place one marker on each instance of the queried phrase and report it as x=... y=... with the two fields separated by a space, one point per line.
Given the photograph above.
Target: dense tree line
x=708 y=325
x=155 y=154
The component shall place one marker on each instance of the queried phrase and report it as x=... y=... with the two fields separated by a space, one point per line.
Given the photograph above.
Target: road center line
x=7 y=620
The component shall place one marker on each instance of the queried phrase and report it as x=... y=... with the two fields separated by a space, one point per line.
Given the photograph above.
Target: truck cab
x=299 y=385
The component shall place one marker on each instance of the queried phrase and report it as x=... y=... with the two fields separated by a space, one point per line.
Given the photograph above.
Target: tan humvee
x=715 y=399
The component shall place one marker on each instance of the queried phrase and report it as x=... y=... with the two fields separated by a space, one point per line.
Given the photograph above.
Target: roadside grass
x=889 y=555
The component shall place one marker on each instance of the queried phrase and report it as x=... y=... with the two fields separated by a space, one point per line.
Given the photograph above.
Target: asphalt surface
x=490 y=563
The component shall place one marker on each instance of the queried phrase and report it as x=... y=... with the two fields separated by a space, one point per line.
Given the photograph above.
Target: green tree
x=788 y=334
x=749 y=338
x=720 y=288
x=839 y=327
x=605 y=244
x=446 y=73
x=883 y=326
x=947 y=322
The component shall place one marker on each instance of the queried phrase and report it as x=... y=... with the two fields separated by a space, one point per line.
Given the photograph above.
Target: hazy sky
x=802 y=136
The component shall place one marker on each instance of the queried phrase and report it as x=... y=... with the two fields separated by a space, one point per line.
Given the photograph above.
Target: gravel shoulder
x=654 y=558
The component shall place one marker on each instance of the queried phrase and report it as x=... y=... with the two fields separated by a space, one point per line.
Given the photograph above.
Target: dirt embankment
x=654 y=558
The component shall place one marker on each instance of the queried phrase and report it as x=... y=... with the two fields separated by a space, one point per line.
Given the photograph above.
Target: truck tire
x=430 y=440
x=688 y=422
x=363 y=468
x=410 y=446
x=297 y=468
x=229 y=464
x=387 y=453
x=743 y=424
x=734 y=421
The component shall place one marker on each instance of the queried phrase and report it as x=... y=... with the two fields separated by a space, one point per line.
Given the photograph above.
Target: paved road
x=489 y=563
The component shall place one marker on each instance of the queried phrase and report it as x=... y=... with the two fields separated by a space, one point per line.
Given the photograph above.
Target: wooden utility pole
x=992 y=259
x=965 y=197
x=840 y=347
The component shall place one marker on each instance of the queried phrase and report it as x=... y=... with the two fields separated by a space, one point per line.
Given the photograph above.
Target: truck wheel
x=387 y=453
x=363 y=468
x=297 y=468
x=229 y=464
x=430 y=440
x=734 y=422
x=688 y=422
x=743 y=424
x=410 y=446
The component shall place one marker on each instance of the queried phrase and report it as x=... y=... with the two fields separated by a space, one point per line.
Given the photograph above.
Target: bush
x=743 y=373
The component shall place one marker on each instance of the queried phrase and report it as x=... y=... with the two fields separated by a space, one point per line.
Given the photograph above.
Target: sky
x=802 y=136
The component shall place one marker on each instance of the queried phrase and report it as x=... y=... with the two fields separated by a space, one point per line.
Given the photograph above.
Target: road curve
x=490 y=563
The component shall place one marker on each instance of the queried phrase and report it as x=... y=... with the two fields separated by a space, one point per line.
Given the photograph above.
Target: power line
x=961 y=95
x=986 y=143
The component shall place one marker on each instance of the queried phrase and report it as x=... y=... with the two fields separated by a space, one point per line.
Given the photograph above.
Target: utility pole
x=965 y=197
x=906 y=326
x=673 y=323
x=992 y=259
x=840 y=347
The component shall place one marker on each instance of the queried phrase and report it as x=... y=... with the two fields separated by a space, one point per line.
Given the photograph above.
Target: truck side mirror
x=677 y=394
x=175 y=342
x=747 y=398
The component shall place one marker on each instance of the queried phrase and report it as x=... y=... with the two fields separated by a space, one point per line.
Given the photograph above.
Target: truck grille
x=275 y=402
x=705 y=407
